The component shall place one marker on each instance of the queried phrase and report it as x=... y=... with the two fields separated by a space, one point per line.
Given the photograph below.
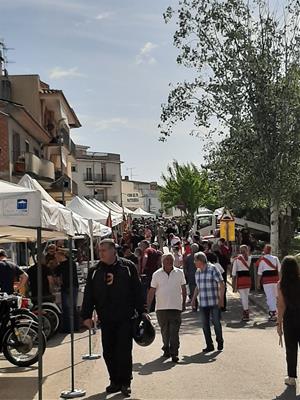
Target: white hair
x=200 y=256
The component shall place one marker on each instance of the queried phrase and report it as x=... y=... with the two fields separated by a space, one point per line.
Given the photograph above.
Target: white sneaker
x=290 y=381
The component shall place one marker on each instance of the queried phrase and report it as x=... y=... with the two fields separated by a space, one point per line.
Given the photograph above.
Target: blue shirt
x=207 y=284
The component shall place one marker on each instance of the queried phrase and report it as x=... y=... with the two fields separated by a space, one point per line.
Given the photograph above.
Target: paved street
x=252 y=366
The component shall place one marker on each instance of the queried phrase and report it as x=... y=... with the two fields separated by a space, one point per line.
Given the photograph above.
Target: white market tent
x=140 y=213
x=128 y=211
x=86 y=210
x=117 y=218
x=57 y=217
x=115 y=207
x=19 y=206
x=21 y=215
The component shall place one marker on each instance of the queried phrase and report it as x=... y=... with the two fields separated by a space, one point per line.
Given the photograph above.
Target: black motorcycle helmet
x=143 y=331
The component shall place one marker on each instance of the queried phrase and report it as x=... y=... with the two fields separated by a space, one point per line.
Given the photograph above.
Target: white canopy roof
x=21 y=214
x=116 y=217
x=86 y=210
x=140 y=213
x=19 y=206
x=56 y=216
x=115 y=207
x=28 y=182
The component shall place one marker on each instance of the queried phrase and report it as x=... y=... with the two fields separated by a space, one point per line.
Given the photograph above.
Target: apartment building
x=98 y=175
x=35 y=125
x=137 y=194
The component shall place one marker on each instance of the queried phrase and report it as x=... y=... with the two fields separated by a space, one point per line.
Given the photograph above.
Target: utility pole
x=61 y=144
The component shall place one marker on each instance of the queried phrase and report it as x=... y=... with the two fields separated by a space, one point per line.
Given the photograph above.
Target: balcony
x=29 y=163
x=68 y=144
x=99 y=179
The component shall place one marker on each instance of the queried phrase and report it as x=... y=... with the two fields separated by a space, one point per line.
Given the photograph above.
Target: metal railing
x=101 y=178
x=66 y=141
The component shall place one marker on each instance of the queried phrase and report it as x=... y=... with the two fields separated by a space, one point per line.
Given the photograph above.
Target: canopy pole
x=92 y=242
x=26 y=255
x=40 y=316
x=73 y=393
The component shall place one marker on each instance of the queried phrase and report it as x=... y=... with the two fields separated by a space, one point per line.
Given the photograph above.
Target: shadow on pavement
x=158 y=365
x=288 y=394
x=191 y=321
x=104 y=395
x=60 y=337
x=15 y=387
x=200 y=358
x=17 y=370
x=250 y=325
x=64 y=369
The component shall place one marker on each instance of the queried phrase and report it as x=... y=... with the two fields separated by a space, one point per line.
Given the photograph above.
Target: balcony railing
x=30 y=163
x=99 y=178
x=66 y=141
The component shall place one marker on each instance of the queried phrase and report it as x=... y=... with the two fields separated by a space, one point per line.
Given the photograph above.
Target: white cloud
x=144 y=56
x=110 y=124
x=103 y=15
x=148 y=47
x=59 y=73
x=96 y=124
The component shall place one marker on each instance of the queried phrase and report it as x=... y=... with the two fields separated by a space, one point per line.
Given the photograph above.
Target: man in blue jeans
x=210 y=289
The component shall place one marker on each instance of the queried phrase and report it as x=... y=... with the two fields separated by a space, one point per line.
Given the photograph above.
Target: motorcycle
x=18 y=336
x=53 y=313
x=26 y=311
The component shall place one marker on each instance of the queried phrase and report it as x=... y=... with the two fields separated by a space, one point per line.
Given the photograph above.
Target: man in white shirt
x=268 y=275
x=168 y=286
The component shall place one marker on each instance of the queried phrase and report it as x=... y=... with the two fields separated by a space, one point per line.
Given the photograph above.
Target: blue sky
x=114 y=60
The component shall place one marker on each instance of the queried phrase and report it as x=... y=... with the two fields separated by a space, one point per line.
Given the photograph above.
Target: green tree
x=247 y=68
x=187 y=188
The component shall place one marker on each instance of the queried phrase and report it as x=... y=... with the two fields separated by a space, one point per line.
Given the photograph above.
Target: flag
x=125 y=222
x=109 y=220
x=129 y=220
x=109 y=224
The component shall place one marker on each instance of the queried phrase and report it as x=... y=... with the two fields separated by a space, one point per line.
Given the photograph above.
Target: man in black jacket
x=113 y=288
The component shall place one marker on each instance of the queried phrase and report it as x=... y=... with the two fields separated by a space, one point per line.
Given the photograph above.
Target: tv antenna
x=131 y=169
x=3 y=58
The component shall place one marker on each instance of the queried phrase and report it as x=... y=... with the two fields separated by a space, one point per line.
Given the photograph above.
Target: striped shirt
x=207 y=283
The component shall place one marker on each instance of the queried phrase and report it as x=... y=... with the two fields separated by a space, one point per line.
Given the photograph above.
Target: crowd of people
x=176 y=271
x=165 y=266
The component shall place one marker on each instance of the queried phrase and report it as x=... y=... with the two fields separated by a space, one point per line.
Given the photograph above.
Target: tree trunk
x=274 y=222
x=286 y=231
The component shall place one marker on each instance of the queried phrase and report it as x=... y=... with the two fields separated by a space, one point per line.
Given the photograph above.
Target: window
x=16 y=146
x=74 y=168
x=36 y=152
x=27 y=147
x=204 y=221
x=89 y=174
